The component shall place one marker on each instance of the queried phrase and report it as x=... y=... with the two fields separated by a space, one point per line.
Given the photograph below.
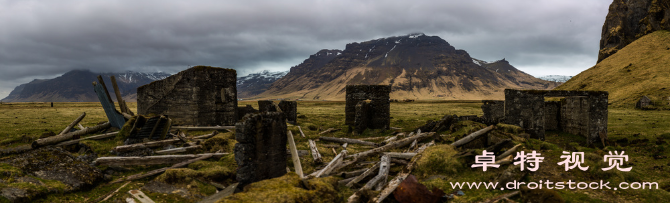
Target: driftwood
x=331 y=165
x=389 y=146
x=508 y=152
x=393 y=184
x=178 y=150
x=407 y=155
x=382 y=177
x=471 y=137
x=370 y=138
x=75 y=122
x=202 y=127
x=161 y=170
x=363 y=175
x=301 y=133
x=330 y=130
x=294 y=155
x=124 y=148
x=94 y=137
x=347 y=140
x=68 y=136
x=151 y=160
x=315 y=151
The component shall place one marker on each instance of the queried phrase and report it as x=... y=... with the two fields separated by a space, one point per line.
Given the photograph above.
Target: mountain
x=640 y=68
x=76 y=86
x=256 y=83
x=416 y=66
x=556 y=78
x=629 y=20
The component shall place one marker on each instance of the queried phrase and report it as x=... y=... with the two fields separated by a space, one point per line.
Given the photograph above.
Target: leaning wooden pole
x=102 y=82
x=75 y=122
x=471 y=137
x=119 y=99
x=68 y=136
x=294 y=154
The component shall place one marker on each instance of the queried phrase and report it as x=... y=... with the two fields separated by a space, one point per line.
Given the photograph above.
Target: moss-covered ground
x=633 y=131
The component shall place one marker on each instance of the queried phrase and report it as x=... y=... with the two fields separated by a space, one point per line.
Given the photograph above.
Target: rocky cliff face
x=416 y=66
x=76 y=86
x=629 y=20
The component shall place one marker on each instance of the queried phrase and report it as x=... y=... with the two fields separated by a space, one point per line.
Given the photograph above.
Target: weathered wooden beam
x=68 y=136
x=119 y=99
x=151 y=160
x=509 y=151
x=329 y=130
x=94 y=137
x=178 y=150
x=124 y=148
x=384 y=166
x=102 y=82
x=471 y=137
x=347 y=140
x=363 y=175
x=331 y=165
x=116 y=119
x=294 y=154
x=301 y=133
x=75 y=122
x=370 y=138
x=393 y=184
x=202 y=127
x=407 y=155
x=315 y=151
x=392 y=145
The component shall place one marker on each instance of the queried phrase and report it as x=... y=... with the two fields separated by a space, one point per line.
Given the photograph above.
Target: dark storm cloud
x=41 y=39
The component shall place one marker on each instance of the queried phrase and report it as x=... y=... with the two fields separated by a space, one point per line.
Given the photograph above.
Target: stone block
x=290 y=109
x=260 y=151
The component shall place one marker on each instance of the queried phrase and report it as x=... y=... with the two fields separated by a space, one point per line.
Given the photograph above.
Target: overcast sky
x=44 y=39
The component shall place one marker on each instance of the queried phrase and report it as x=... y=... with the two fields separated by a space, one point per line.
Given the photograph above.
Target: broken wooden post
x=363 y=175
x=151 y=160
x=115 y=118
x=294 y=154
x=332 y=164
x=202 y=127
x=471 y=137
x=347 y=140
x=315 y=151
x=68 y=136
x=94 y=137
x=75 y=122
x=119 y=99
x=393 y=184
x=301 y=133
x=384 y=166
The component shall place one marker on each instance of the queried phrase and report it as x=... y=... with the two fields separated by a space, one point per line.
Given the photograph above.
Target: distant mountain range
x=76 y=86
x=556 y=78
x=416 y=66
x=256 y=83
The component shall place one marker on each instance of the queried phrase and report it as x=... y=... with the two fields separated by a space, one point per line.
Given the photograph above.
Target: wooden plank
x=119 y=99
x=363 y=175
x=139 y=195
x=94 y=137
x=294 y=155
x=102 y=82
x=407 y=155
x=151 y=160
x=202 y=127
x=75 y=122
x=151 y=144
x=115 y=117
x=331 y=165
x=301 y=133
x=315 y=151
x=178 y=150
x=384 y=166
x=389 y=146
x=471 y=136
x=347 y=140
x=68 y=136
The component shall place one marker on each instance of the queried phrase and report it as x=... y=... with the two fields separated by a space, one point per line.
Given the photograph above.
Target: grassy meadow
x=643 y=135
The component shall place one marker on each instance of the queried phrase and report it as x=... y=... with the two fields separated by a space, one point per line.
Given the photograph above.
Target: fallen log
x=471 y=137
x=315 y=151
x=329 y=130
x=68 y=136
x=347 y=140
x=178 y=150
x=75 y=122
x=94 y=137
x=124 y=148
x=294 y=155
x=202 y=127
x=301 y=133
x=509 y=151
x=389 y=146
x=161 y=170
x=393 y=184
x=151 y=160
x=407 y=155
x=363 y=175
x=331 y=165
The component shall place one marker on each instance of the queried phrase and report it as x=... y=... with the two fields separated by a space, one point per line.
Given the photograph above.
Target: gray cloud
x=40 y=39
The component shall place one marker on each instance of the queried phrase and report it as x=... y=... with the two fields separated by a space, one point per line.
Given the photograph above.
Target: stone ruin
x=644 y=102
x=201 y=95
x=578 y=112
x=368 y=106
x=289 y=108
x=260 y=151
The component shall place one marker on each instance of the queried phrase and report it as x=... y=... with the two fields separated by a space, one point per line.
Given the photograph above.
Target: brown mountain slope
x=629 y=20
x=641 y=68
x=416 y=66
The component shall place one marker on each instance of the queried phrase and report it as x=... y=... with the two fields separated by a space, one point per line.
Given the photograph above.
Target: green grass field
x=633 y=131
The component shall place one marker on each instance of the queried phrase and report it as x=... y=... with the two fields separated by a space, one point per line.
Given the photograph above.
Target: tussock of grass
x=438 y=159
x=288 y=188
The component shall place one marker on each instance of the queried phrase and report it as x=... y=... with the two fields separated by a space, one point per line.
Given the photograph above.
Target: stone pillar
x=290 y=109
x=260 y=151
x=266 y=106
x=598 y=117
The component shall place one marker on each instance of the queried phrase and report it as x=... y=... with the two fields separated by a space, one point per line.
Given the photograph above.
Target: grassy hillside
x=641 y=68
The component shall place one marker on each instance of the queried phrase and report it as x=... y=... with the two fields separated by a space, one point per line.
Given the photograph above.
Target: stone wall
x=378 y=95
x=242 y=111
x=260 y=151
x=552 y=115
x=201 y=95
x=290 y=109
x=266 y=106
x=494 y=111
x=525 y=110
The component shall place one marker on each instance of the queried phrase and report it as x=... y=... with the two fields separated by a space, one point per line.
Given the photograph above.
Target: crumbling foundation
x=260 y=151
